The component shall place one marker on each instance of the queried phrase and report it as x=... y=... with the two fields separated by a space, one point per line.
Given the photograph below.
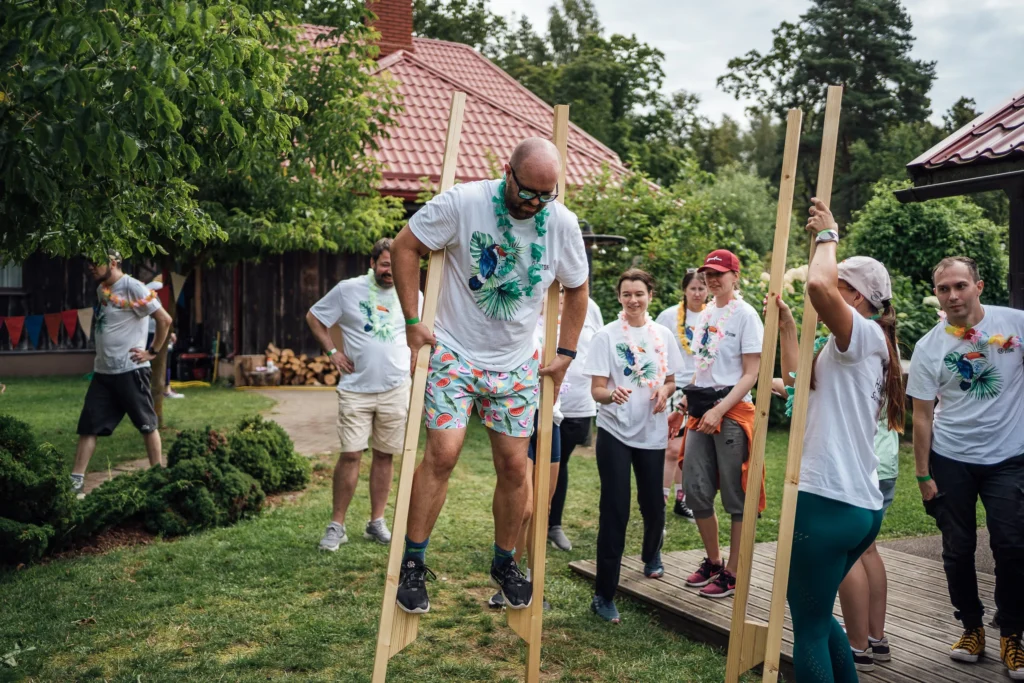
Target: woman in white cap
x=856 y=374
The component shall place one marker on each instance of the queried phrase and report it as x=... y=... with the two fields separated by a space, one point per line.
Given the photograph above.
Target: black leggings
x=572 y=433
x=614 y=459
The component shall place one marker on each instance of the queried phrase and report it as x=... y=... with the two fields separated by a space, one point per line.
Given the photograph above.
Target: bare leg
x=430 y=484
x=734 y=547
x=86 y=447
x=671 y=464
x=346 y=478
x=381 y=471
x=153 y=448
x=855 y=596
x=879 y=586
x=708 y=529
x=512 y=489
x=524 y=536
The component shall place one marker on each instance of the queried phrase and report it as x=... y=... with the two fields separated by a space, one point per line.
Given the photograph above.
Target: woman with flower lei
x=632 y=363
x=727 y=353
x=683 y=319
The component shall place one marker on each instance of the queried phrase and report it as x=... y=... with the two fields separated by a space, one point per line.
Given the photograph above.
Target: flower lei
x=707 y=353
x=819 y=342
x=660 y=354
x=374 y=289
x=972 y=335
x=684 y=340
x=536 y=249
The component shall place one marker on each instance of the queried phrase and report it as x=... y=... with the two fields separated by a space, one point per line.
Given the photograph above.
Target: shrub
x=264 y=450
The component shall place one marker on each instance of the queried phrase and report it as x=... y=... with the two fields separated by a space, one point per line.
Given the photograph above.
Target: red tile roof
x=993 y=135
x=499 y=113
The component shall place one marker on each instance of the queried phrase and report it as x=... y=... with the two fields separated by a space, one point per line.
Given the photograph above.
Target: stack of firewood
x=302 y=370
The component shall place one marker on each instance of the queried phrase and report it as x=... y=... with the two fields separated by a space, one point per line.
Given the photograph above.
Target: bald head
x=532 y=168
x=536 y=154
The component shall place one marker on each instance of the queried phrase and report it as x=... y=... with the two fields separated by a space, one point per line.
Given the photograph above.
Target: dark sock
x=500 y=555
x=416 y=551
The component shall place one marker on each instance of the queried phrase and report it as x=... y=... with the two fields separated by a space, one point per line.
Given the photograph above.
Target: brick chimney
x=394 y=22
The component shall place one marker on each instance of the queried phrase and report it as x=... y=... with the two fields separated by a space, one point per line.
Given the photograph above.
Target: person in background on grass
x=507 y=241
x=970 y=445
x=156 y=285
x=727 y=352
x=682 y=318
x=579 y=409
x=633 y=363
x=373 y=389
x=855 y=376
x=121 y=372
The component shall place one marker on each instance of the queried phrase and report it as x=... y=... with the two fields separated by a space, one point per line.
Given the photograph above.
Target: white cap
x=868 y=277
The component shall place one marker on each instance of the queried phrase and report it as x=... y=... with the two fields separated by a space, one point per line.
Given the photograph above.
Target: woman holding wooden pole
x=839 y=507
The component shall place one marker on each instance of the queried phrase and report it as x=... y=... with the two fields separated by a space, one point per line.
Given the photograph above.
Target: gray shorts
x=888 y=489
x=714 y=462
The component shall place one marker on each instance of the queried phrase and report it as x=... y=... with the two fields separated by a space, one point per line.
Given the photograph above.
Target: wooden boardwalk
x=919 y=624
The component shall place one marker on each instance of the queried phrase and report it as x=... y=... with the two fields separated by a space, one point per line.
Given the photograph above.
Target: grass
x=259 y=602
x=51 y=405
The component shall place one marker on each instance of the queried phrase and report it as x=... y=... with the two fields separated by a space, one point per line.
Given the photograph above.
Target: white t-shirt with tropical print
x=373 y=334
x=670 y=319
x=979 y=383
x=487 y=312
x=634 y=423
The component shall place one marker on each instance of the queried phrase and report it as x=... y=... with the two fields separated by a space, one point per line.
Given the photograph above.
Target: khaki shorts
x=383 y=414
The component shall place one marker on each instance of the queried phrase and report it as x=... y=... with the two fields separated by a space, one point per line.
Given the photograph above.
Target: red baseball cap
x=721 y=261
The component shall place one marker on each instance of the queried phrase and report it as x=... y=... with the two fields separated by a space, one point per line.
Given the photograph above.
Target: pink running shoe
x=705 y=574
x=723 y=586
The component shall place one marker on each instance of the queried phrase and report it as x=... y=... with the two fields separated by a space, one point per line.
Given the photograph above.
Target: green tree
x=888 y=158
x=911 y=238
x=864 y=45
x=569 y=26
x=745 y=204
x=963 y=111
x=470 y=22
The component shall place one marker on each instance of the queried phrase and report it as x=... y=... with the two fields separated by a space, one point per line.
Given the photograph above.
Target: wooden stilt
x=528 y=623
x=784 y=549
x=397 y=627
x=747 y=637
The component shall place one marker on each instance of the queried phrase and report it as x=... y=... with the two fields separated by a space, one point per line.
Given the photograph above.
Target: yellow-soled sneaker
x=970 y=646
x=1012 y=654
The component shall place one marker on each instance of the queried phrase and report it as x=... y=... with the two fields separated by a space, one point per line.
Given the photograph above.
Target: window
x=10 y=276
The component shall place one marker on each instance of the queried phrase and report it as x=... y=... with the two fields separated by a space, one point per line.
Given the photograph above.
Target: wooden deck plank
x=919 y=621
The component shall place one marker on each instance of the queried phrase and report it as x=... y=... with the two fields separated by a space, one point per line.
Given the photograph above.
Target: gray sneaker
x=78 y=485
x=334 y=537
x=558 y=539
x=377 y=531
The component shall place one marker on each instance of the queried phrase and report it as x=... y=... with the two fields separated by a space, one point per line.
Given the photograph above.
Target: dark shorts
x=556 y=442
x=110 y=397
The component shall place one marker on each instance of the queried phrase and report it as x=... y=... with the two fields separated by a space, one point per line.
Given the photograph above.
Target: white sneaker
x=173 y=394
x=377 y=530
x=334 y=537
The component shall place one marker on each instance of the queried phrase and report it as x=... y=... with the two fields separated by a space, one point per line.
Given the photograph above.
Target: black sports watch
x=152 y=351
x=565 y=352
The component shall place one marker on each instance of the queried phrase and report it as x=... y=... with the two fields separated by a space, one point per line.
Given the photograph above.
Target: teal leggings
x=828 y=537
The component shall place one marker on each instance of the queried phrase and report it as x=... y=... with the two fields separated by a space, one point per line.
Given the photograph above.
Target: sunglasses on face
x=527 y=194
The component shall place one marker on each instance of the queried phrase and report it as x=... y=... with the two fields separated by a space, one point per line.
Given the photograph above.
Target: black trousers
x=572 y=433
x=1001 y=488
x=614 y=460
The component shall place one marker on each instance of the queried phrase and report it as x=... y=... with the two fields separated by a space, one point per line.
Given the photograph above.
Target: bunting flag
x=33 y=326
x=52 y=321
x=85 y=320
x=178 y=280
x=14 y=325
x=70 y=320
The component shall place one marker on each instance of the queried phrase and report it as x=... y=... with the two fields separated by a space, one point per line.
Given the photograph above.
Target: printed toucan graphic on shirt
x=637 y=368
x=487 y=264
x=378 y=322
x=706 y=337
x=979 y=379
x=493 y=278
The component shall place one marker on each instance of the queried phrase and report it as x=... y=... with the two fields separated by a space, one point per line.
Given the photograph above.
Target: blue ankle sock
x=416 y=551
x=500 y=555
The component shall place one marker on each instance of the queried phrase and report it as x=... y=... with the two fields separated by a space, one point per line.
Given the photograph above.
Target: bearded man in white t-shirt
x=373 y=389
x=507 y=241
x=967 y=382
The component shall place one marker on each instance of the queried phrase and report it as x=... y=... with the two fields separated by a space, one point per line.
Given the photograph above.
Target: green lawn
x=259 y=602
x=52 y=405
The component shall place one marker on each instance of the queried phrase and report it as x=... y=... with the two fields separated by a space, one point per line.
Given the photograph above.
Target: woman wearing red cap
x=727 y=350
x=856 y=375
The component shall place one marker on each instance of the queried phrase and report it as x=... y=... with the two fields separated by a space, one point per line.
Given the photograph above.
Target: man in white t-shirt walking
x=971 y=445
x=507 y=240
x=373 y=392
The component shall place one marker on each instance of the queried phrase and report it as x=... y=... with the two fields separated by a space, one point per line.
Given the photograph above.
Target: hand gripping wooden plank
x=528 y=622
x=397 y=627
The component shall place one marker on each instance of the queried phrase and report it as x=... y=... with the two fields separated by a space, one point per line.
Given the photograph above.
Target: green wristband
x=412 y=321
x=921 y=480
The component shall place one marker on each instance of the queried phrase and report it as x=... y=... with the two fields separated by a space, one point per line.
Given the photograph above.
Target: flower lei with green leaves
x=536 y=249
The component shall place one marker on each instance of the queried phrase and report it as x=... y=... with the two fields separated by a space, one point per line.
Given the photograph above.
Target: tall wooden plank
x=398 y=628
x=745 y=635
x=787 y=518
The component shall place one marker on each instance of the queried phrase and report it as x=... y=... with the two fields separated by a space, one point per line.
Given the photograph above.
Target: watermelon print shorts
x=505 y=401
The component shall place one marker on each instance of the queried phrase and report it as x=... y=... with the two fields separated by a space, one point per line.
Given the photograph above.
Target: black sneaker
x=879 y=649
x=864 y=661
x=683 y=511
x=517 y=591
x=412 y=587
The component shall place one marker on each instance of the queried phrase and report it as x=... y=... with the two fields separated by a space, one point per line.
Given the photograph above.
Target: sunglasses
x=528 y=194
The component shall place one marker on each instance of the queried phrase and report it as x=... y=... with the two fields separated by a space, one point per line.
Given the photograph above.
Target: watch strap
x=565 y=352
